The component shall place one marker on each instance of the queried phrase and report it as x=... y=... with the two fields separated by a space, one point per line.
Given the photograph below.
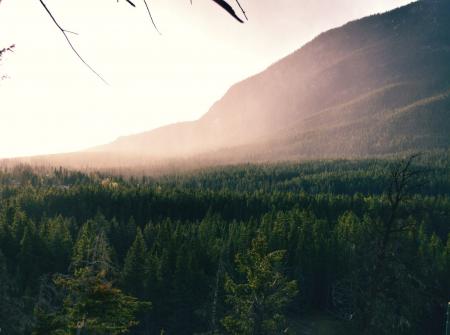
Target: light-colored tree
x=258 y=303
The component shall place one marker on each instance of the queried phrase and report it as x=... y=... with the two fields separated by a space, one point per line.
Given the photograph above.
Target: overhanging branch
x=151 y=17
x=228 y=8
x=221 y=3
x=65 y=32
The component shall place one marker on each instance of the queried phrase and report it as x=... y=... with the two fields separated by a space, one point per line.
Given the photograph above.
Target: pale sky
x=52 y=103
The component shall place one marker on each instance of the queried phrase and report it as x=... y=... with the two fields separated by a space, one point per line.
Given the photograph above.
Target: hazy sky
x=53 y=103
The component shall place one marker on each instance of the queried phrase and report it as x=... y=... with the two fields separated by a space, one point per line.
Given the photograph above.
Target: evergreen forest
x=358 y=246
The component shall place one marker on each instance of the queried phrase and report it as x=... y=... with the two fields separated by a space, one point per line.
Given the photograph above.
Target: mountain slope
x=378 y=85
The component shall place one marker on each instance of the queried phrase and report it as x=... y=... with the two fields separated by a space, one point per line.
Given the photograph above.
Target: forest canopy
x=177 y=252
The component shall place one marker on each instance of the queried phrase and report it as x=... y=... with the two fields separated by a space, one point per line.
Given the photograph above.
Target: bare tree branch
x=221 y=3
x=151 y=17
x=228 y=8
x=10 y=48
x=2 y=51
x=242 y=9
x=131 y=3
x=64 y=32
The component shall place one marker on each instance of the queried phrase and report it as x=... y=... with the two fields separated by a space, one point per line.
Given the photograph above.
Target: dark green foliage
x=171 y=239
x=90 y=302
x=12 y=319
x=93 y=305
x=258 y=304
x=134 y=271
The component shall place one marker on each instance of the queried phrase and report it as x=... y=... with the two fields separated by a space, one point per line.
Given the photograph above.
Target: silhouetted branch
x=228 y=8
x=64 y=32
x=221 y=3
x=131 y=3
x=2 y=51
x=242 y=9
x=10 y=48
x=151 y=17
x=401 y=177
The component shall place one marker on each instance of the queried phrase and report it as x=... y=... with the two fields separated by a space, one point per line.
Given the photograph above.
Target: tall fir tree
x=259 y=302
x=135 y=268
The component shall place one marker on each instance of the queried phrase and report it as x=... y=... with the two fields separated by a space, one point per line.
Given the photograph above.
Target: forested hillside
x=378 y=85
x=227 y=250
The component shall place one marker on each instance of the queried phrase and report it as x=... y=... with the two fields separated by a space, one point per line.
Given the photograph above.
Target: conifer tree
x=92 y=303
x=59 y=243
x=134 y=269
x=11 y=317
x=258 y=303
x=28 y=259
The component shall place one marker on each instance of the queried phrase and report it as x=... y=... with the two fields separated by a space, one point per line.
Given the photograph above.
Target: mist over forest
x=311 y=198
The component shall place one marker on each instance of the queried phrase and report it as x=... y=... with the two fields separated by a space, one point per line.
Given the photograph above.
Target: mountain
x=375 y=86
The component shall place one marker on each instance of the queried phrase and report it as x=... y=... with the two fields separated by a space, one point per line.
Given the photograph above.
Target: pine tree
x=258 y=303
x=28 y=259
x=12 y=320
x=92 y=246
x=59 y=243
x=134 y=269
x=92 y=304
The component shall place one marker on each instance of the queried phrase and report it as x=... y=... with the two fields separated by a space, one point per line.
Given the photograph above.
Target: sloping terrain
x=374 y=86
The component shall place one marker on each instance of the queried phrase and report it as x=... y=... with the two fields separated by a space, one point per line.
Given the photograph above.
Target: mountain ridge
x=374 y=86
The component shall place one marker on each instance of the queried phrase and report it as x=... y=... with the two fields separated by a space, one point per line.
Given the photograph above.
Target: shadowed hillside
x=378 y=85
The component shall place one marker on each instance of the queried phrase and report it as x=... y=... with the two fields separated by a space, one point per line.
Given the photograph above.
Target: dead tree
x=403 y=179
x=376 y=252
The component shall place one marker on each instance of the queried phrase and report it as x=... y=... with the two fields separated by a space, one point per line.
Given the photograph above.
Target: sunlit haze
x=52 y=103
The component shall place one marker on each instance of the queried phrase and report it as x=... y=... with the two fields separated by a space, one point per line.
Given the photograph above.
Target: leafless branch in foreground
x=151 y=17
x=149 y=13
x=221 y=3
x=242 y=10
x=65 y=32
x=2 y=51
x=228 y=8
x=10 y=48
